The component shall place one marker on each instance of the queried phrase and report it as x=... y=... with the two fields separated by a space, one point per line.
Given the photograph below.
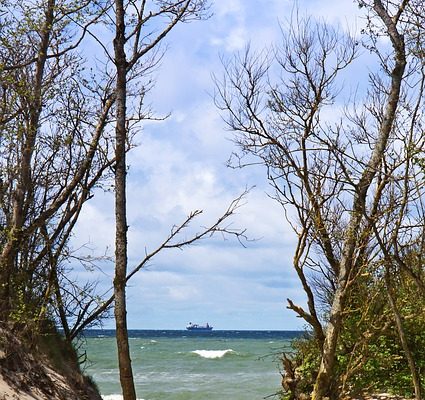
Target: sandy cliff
x=45 y=368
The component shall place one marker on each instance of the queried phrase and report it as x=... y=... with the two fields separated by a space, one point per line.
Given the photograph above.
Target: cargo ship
x=200 y=328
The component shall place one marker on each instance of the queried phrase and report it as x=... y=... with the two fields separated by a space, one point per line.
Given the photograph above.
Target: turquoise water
x=181 y=365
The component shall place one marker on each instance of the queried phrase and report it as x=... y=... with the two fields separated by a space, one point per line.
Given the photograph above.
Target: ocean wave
x=114 y=397
x=212 y=353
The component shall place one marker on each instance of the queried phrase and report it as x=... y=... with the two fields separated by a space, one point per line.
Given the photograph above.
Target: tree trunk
x=323 y=384
x=124 y=360
x=416 y=380
x=324 y=381
x=24 y=179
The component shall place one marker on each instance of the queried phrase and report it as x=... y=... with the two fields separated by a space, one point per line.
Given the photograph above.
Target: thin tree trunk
x=11 y=248
x=416 y=380
x=323 y=385
x=124 y=360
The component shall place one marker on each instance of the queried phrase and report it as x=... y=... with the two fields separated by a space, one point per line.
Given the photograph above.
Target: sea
x=188 y=365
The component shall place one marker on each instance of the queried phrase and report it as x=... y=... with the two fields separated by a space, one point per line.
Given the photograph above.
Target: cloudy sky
x=179 y=166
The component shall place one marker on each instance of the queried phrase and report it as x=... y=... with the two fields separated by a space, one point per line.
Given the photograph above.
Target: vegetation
x=345 y=165
x=71 y=74
x=351 y=185
x=370 y=357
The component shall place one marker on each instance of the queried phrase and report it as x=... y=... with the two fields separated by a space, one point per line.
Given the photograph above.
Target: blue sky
x=179 y=166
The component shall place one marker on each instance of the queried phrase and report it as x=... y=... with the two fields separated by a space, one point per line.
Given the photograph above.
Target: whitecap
x=212 y=353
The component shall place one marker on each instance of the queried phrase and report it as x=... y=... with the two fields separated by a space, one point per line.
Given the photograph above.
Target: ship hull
x=200 y=329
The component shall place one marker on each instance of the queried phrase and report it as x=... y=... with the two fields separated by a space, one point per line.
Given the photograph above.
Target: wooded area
x=58 y=114
x=346 y=164
x=347 y=167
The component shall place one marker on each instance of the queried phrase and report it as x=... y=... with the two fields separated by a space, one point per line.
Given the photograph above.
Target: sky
x=180 y=166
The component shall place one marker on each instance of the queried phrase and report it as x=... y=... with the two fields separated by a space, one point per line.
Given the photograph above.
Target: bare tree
x=57 y=117
x=135 y=53
x=124 y=361
x=178 y=238
x=334 y=176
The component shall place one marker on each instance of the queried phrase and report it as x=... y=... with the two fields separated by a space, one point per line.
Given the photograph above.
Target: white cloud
x=228 y=301
x=236 y=40
x=343 y=13
x=95 y=229
x=229 y=7
x=179 y=167
x=230 y=32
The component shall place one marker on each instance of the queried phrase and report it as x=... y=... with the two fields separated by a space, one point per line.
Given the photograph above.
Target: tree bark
x=24 y=183
x=124 y=360
x=416 y=380
x=323 y=384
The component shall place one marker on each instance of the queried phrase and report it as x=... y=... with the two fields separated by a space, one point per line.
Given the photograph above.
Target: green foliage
x=307 y=359
x=370 y=356
x=22 y=310
x=300 y=367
